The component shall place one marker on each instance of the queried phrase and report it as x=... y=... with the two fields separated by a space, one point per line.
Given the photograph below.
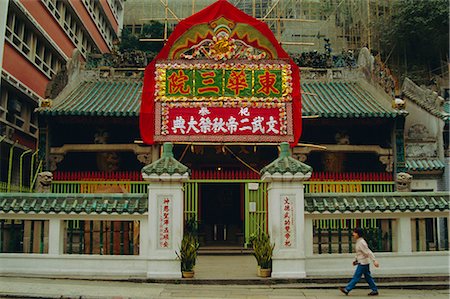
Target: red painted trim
x=110 y=14
x=23 y=70
x=221 y=8
x=50 y=25
x=89 y=24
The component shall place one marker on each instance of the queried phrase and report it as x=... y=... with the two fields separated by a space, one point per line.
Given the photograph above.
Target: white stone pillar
x=165 y=229
x=286 y=213
x=404 y=241
x=165 y=214
x=55 y=236
x=287 y=229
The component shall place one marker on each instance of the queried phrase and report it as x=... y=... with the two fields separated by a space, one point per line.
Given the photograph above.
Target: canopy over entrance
x=221 y=77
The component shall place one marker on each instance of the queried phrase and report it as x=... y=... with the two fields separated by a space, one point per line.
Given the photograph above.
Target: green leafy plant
x=263 y=250
x=188 y=252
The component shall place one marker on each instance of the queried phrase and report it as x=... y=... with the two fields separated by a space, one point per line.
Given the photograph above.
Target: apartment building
x=37 y=39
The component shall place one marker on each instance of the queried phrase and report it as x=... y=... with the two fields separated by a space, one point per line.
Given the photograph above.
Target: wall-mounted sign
x=212 y=101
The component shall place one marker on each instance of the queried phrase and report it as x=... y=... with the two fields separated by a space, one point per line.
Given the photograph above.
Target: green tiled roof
x=100 y=98
x=286 y=164
x=167 y=164
x=127 y=204
x=341 y=100
x=446 y=108
x=382 y=202
x=106 y=97
x=73 y=203
x=424 y=164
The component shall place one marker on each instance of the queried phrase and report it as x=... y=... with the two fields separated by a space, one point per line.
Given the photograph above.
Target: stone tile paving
x=18 y=287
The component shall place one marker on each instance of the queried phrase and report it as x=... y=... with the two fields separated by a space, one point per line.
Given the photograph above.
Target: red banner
x=224 y=123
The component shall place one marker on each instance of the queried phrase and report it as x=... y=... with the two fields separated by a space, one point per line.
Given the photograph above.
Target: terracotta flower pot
x=187 y=274
x=265 y=272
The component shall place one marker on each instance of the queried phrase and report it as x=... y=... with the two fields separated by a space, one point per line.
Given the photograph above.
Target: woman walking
x=362 y=262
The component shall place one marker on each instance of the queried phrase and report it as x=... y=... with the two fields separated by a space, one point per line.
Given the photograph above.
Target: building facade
x=38 y=39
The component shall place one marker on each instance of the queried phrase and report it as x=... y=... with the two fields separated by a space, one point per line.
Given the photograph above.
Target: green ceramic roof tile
x=381 y=202
x=424 y=164
x=342 y=100
x=123 y=204
x=286 y=164
x=100 y=98
x=167 y=164
x=106 y=97
x=446 y=114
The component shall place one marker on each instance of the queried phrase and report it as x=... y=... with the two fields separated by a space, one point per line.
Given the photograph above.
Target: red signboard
x=224 y=123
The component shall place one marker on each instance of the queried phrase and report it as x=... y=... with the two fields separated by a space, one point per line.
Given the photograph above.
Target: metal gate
x=255 y=204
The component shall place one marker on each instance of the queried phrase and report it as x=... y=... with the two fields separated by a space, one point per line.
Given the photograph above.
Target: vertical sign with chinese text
x=288 y=231
x=165 y=222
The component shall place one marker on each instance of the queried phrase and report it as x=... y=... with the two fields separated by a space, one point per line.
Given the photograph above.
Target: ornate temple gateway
x=221 y=85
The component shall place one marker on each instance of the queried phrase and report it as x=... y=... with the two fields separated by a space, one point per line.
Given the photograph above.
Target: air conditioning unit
x=9 y=132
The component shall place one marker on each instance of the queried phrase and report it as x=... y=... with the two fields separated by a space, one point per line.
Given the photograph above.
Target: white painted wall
x=157 y=263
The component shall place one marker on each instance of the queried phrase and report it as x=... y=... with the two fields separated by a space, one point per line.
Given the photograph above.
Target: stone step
x=224 y=250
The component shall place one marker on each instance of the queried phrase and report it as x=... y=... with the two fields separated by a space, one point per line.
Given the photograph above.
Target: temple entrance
x=228 y=212
x=221 y=214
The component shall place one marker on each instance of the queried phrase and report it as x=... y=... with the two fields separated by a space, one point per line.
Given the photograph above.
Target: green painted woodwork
x=256 y=221
x=348 y=187
x=190 y=190
x=335 y=235
x=100 y=237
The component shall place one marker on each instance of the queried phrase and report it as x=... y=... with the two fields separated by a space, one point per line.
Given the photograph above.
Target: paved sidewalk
x=215 y=279
x=19 y=287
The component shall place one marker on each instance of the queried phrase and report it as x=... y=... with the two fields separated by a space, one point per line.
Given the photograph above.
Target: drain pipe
x=21 y=168
x=32 y=169
x=11 y=153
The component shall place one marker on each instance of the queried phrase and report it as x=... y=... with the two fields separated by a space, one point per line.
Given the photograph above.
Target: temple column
x=165 y=214
x=286 y=213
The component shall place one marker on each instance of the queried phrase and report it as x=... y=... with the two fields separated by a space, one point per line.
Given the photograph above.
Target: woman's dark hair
x=359 y=231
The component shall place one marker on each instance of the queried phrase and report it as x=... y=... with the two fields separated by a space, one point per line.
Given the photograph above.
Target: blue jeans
x=360 y=270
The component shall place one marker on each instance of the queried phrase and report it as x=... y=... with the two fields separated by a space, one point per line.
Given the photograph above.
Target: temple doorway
x=221 y=214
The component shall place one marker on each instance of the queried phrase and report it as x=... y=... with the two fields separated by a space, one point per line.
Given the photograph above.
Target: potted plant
x=188 y=255
x=263 y=251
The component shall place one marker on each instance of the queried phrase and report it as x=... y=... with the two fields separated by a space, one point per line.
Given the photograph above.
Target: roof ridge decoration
x=425 y=98
x=166 y=168
x=285 y=167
